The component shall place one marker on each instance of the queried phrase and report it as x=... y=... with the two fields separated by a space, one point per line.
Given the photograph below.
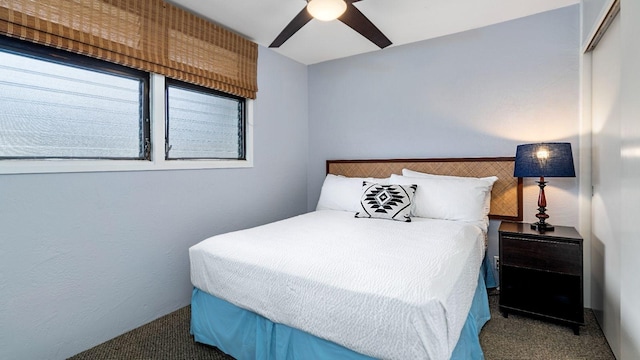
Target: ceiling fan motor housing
x=326 y=10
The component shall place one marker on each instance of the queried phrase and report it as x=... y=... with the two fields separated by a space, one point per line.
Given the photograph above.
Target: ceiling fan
x=327 y=10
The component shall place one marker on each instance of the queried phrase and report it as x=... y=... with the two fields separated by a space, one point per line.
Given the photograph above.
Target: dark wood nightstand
x=541 y=273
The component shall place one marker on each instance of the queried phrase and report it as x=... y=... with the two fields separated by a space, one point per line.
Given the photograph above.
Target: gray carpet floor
x=523 y=338
x=513 y=338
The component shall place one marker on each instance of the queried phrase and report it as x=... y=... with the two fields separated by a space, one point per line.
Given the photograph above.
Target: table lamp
x=544 y=160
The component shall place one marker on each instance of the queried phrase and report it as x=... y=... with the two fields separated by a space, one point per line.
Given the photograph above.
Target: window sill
x=80 y=166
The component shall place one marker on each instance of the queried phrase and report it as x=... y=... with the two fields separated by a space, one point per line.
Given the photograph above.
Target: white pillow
x=343 y=193
x=450 y=198
x=490 y=179
x=411 y=173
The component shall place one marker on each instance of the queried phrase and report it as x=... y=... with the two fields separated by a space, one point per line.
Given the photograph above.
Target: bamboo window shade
x=150 y=35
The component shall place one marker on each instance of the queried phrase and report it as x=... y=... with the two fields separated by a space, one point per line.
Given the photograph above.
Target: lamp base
x=541 y=227
x=542 y=216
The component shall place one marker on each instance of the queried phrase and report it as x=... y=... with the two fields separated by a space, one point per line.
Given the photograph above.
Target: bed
x=338 y=283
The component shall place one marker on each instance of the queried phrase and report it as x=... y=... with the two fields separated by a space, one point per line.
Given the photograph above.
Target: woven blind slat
x=149 y=35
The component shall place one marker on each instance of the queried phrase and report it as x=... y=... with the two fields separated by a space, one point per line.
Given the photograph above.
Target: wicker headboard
x=506 y=196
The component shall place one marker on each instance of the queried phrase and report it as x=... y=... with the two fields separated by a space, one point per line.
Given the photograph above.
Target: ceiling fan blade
x=356 y=20
x=296 y=24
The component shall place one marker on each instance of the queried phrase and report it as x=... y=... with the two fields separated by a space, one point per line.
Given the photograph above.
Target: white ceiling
x=402 y=21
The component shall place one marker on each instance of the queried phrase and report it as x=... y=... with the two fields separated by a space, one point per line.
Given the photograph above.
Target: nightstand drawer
x=540 y=254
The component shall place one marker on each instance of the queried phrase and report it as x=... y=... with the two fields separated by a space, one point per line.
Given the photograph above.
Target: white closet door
x=606 y=181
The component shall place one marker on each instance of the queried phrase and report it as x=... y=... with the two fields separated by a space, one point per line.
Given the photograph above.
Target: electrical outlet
x=496 y=262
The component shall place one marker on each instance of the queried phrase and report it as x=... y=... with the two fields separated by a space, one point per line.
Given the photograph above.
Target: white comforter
x=383 y=288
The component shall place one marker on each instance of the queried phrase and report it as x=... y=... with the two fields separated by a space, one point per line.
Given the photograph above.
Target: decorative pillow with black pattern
x=391 y=202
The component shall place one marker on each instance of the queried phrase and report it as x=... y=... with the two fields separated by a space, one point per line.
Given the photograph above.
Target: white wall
x=86 y=257
x=630 y=190
x=477 y=93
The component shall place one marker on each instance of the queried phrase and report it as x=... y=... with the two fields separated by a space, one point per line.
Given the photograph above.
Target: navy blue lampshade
x=544 y=160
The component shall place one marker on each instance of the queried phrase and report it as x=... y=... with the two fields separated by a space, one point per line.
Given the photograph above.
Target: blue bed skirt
x=246 y=335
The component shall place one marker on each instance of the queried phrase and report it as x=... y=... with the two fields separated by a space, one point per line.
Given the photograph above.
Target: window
x=203 y=123
x=57 y=105
x=92 y=115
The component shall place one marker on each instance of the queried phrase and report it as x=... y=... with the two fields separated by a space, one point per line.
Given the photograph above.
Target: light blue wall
x=85 y=257
x=477 y=93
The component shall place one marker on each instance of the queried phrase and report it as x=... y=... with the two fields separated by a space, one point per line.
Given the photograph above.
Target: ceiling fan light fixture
x=326 y=10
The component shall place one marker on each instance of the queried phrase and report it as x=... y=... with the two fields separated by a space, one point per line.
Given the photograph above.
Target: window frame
x=242 y=134
x=65 y=58
x=155 y=111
